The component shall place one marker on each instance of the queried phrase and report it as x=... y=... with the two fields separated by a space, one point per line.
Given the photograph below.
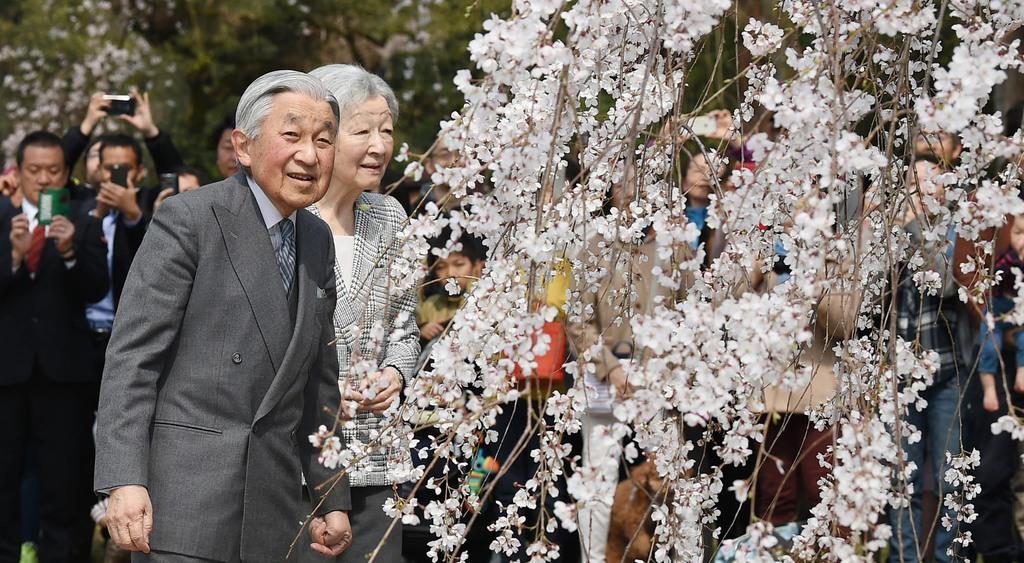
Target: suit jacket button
x=237 y=358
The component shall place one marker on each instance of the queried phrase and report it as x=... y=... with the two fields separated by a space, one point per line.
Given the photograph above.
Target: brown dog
x=631 y=530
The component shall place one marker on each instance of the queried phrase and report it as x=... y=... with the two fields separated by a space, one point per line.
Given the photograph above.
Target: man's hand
x=143 y=118
x=130 y=518
x=21 y=239
x=94 y=114
x=331 y=533
x=379 y=390
x=432 y=330
x=62 y=232
x=9 y=184
x=617 y=377
x=101 y=210
x=119 y=197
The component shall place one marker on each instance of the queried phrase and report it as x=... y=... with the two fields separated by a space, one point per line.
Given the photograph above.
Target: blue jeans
x=992 y=342
x=939 y=425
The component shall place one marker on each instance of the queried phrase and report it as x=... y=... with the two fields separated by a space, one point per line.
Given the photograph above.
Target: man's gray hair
x=257 y=100
x=353 y=85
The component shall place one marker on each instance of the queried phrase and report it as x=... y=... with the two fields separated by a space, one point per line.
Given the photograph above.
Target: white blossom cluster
x=598 y=81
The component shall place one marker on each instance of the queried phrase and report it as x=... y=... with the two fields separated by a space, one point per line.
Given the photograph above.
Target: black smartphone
x=169 y=181
x=120 y=104
x=119 y=174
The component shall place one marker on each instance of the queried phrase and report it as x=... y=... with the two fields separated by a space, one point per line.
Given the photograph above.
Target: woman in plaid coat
x=378 y=341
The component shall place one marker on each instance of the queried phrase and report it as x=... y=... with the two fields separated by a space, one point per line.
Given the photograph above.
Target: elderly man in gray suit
x=220 y=366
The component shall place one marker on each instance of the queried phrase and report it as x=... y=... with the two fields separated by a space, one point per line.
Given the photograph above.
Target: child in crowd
x=464 y=264
x=1002 y=303
x=437 y=307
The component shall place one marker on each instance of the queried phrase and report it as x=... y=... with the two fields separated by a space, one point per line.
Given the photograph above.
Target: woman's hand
x=379 y=390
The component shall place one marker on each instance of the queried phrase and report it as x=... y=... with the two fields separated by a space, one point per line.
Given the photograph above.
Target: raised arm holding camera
x=133 y=108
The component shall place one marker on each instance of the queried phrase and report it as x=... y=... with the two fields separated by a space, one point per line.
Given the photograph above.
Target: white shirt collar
x=271 y=216
x=30 y=211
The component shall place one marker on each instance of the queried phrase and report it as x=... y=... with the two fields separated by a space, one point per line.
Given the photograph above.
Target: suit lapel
x=352 y=297
x=304 y=334
x=252 y=257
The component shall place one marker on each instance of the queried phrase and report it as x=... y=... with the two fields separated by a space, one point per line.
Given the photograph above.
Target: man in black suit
x=120 y=210
x=47 y=385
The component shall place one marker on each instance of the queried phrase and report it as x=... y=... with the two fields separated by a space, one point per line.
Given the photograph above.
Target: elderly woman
x=365 y=225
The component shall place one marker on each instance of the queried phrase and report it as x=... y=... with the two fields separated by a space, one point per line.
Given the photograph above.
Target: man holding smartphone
x=118 y=208
x=121 y=171
x=48 y=386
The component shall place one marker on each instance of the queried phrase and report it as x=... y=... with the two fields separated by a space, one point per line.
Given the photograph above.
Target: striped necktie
x=286 y=252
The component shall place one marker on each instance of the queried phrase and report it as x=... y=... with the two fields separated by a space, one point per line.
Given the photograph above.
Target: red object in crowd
x=35 y=251
x=550 y=365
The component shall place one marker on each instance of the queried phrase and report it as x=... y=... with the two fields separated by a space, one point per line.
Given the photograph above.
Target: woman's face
x=698 y=182
x=364 y=146
x=226 y=162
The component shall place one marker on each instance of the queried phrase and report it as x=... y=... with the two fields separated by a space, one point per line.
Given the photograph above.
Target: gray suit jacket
x=209 y=393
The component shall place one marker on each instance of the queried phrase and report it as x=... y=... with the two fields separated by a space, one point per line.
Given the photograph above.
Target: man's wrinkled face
x=42 y=167
x=293 y=157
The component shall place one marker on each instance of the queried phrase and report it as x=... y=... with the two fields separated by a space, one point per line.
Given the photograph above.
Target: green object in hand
x=53 y=202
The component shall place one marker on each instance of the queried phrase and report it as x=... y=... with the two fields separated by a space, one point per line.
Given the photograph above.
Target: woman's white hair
x=352 y=85
x=258 y=98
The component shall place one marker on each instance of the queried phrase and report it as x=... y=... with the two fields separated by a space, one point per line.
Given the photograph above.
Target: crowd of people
x=74 y=245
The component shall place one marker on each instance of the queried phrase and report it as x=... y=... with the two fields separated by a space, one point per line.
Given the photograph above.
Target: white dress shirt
x=344 y=253
x=32 y=212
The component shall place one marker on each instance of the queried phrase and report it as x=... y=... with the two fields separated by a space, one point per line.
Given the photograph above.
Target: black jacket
x=42 y=317
x=165 y=154
x=126 y=239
